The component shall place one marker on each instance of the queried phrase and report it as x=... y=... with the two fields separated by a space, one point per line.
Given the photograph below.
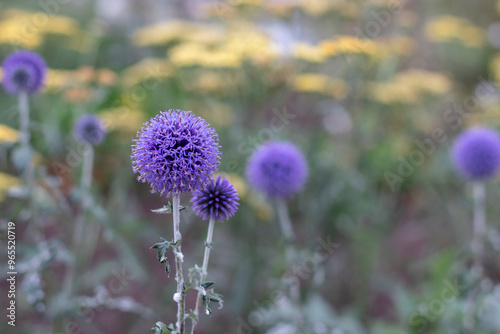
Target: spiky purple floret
x=24 y=71
x=476 y=153
x=176 y=152
x=89 y=128
x=218 y=200
x=278 y=169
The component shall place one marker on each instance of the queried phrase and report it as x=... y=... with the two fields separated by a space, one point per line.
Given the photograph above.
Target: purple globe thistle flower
x=476 y=153
x=24 y=71
x=90 y=129
x=219 y=200
x=278 y=169
x=176 y=152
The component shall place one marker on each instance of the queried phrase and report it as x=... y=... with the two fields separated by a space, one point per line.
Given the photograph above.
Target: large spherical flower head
x=476 y=153
x=24 y=71
x=90 y=129
x=218 y=200
x=176 y=152
x=278 y=169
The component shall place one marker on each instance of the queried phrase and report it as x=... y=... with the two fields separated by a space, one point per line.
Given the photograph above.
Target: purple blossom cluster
x=24 y=71
x=218 y=200
x=89 y=128
x=278 y=169
x=176 y=152
x=476 y=153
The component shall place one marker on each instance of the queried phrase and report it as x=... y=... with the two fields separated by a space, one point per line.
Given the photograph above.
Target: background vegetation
x=373 y=92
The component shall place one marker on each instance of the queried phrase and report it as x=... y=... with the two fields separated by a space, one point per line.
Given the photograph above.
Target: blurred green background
x=373 y=92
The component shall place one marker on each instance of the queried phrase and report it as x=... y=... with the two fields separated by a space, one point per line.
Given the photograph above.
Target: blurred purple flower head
x=24 y=71
x=176 y=152
x=219 y=200
x=89 y=128
x=476 y=153
x=278 y=169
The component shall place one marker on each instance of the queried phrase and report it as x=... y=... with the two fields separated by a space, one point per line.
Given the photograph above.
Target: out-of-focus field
x=373 y=92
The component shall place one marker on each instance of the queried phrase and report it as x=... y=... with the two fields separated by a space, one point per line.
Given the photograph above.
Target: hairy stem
x=78 y=232
x=477 y=248
x=479 y=225
x=291 y=254
x=179 y=258
x=286 y=229
x=29 y=175
x=208 y=246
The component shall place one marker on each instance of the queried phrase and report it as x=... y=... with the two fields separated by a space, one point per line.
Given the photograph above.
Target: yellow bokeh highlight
x=28 y=29
x=122 y=119
x=449 y=28
x=6 y=182
x=8 y=134
x=410 y=86
x=319 y=83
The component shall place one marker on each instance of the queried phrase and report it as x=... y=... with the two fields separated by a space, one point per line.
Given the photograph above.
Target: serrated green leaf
x=207 y=284
x=163 y=247
x=167 y=209
x=211 y=296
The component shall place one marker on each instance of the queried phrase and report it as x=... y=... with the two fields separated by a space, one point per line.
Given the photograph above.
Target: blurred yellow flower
x=61 y=25
x=150 y=68
x=451 y=28
x=216 y=113
x=410 y=86
x=8 y=134
x=349 y=44
x=319 y=83
x=176 y=30
x=402 y=45
x=6 y=182
x=262 y=207
x=192 y=54
x=122 y=119
x=308 y=53
x=315 y=7
x=27 y=29
x=58 y=79
x=160 y=33
x=13 y=31
x=495 y=67
x=211 y=81
x=238 y=182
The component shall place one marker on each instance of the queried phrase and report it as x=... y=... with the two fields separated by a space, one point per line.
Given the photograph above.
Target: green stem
x=78 y=232
x=179 y=258
x=208 y=246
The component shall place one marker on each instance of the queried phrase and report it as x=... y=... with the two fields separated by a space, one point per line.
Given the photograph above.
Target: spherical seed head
x=218 y=200
x=278 y=169
x=24 y=71
x=176 y=152
x=90 y=129
x=476 y=153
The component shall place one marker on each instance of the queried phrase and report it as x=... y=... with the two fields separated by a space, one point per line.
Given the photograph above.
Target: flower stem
x=78 y=232
x=291 y=254
x=479 y=224
x=208 y=246
x=24 y=125
x=477 y=248
x=286 y=229
x=179 y=258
